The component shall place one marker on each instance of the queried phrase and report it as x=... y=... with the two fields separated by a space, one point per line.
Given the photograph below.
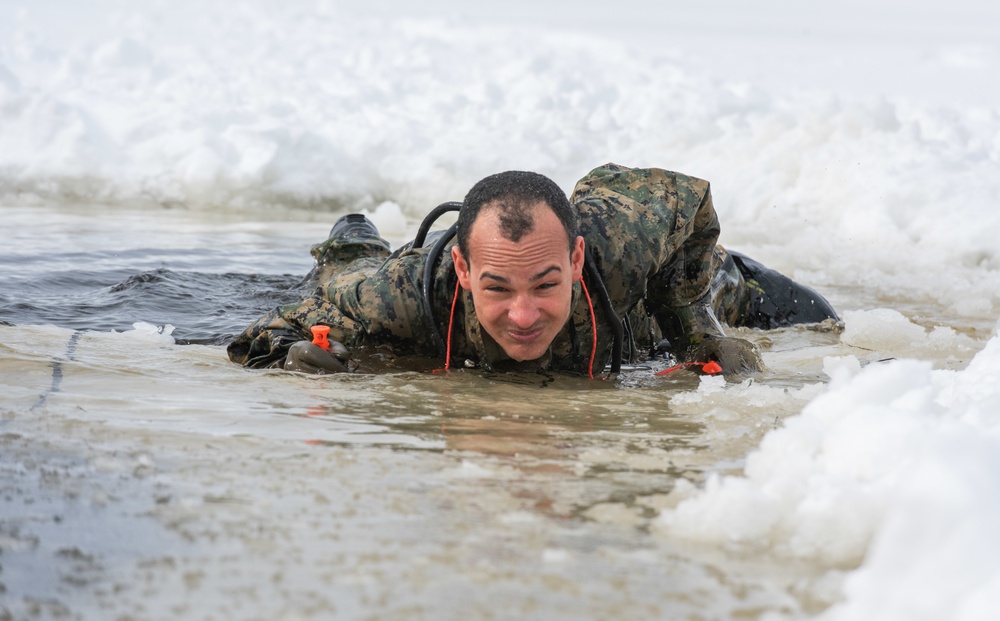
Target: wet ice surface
x=261 y=494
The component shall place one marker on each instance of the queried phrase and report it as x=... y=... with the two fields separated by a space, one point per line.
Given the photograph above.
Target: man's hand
x=306 y=357
x=735 y=356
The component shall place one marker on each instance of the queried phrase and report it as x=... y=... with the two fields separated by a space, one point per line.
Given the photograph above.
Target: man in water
x=627 y=268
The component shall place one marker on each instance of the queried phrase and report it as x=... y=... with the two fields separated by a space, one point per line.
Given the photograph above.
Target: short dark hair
x=514 y=193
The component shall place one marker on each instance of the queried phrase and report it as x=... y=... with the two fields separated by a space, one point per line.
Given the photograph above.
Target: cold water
x=145 y=476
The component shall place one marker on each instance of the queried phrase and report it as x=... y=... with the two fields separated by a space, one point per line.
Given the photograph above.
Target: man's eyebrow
x=505 y=280
x=542 y=274
x=488 y=275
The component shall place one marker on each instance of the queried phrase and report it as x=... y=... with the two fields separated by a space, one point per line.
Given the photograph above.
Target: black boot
x=356 y=227
x=776 y=300
x=352 y=237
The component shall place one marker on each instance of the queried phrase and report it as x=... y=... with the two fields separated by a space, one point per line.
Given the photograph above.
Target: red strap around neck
x=451 y=323
x=593 y=325
x=593 y=328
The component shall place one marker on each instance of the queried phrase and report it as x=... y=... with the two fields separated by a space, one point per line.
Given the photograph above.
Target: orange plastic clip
x=320 y=336
x=711 y=368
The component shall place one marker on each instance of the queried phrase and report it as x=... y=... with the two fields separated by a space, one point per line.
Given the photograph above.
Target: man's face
x=522 y=290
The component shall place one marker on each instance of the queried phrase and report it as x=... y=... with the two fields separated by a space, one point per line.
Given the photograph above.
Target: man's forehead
x=497 y=216
x=538 y=251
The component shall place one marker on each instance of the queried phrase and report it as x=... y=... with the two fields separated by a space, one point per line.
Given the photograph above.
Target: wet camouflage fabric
x=652 y=234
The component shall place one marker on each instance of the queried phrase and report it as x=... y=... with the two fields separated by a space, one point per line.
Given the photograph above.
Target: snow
x=800 y=120
x=143 y=333
x=894 y=468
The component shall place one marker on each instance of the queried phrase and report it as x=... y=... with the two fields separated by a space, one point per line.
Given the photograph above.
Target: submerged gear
x=308 y=357
x=651 y=239
x=735 y=356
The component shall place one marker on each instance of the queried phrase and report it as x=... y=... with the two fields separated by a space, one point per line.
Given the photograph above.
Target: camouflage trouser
x=653 y=236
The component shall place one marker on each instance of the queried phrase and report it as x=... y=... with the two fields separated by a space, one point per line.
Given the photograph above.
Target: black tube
x=613 y=320
x=433 y=255
x=430 y=219
x=432 y=258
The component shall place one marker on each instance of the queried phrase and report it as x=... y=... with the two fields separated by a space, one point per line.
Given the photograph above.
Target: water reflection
x=513 y=414
x=557 y=446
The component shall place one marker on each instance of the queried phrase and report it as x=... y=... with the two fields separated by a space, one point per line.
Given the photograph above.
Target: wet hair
x=514 y=194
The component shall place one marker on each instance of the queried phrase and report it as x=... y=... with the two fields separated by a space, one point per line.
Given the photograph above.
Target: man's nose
x=523 y=312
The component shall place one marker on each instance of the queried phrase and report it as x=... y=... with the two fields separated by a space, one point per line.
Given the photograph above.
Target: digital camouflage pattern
x=652 y=234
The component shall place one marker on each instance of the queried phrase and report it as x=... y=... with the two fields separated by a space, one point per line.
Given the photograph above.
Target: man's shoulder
x=637 y=183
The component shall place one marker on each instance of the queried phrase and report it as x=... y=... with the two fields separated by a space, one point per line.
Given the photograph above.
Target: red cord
x=593 y=324
x=593 y=327
x=709 y=368
x=451 y=322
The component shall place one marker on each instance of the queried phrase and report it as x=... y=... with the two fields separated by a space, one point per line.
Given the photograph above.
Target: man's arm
x=265 y=344
x=373 y=305
x=654 y=234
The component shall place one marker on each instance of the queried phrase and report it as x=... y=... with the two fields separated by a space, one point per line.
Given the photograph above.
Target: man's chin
x=524 y=353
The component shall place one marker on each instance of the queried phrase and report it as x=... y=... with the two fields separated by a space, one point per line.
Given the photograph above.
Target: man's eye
x=495 y=289
x=548 y=285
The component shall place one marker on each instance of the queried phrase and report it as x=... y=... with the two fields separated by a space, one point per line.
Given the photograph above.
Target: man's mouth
x=524 y=336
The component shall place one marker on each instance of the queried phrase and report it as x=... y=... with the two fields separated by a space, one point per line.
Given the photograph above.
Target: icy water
x=144 y=476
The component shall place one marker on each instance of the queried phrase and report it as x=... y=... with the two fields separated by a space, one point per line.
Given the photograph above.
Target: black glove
x=735 y=356
x=307 y=357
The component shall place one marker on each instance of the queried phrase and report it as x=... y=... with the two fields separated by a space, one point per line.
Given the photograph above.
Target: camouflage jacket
x=652 y=234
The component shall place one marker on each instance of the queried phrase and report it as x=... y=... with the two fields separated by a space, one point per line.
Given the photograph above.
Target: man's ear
x=577 y=258
x=461 y=268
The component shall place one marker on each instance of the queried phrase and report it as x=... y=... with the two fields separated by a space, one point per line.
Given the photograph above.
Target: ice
x=893 y=469
x=391 y=221
x=888 y=330
x=204 y=107
x=143 y=332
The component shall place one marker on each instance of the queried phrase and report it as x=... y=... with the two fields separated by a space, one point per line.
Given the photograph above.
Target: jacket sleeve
x=679 y=295
x=265 y=343
x=652 y=234
x=369 y=303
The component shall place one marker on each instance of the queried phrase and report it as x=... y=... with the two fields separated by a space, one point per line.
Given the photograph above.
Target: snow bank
x=325 y=106
x=887 y=331
x=896 y=468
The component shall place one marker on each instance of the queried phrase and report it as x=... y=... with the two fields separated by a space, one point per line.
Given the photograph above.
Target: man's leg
x=352 y=238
